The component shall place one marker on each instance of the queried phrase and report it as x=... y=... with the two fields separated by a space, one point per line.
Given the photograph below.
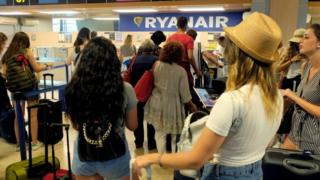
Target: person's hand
x=50 y=65
x=193 y=107
x=287 y=93
x=143 y=162
x=220 y=65
x=198 y=73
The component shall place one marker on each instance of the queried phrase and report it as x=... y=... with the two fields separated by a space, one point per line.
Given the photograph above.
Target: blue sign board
x=168 y=21
x=48 y=1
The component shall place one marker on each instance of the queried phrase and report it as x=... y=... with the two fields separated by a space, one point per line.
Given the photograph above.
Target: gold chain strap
x=99 y=142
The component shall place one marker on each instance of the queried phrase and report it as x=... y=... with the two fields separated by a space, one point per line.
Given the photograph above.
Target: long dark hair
x=96 y=89
x=293 y=50
x=316 y=30
x=84 y=34
x=19 y=43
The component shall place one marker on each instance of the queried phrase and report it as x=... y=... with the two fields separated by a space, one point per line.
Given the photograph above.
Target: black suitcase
x=34 y=167
x=53 y=114
x=288 y=164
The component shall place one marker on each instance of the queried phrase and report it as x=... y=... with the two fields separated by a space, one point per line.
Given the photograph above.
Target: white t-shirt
x=248 y=137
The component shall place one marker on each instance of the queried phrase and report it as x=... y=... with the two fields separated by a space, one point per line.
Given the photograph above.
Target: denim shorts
x=219 y=172
x=112 y=169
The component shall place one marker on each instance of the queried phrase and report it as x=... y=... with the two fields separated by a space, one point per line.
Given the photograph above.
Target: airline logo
x=168 y=22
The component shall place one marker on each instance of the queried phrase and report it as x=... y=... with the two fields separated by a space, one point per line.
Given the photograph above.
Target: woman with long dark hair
x=20 y=46
x=305 y=130
x=99 y=105
x=81 y=41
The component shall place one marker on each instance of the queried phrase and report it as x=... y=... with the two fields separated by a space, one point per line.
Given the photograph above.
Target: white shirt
x=294 y=70
x=247 y=139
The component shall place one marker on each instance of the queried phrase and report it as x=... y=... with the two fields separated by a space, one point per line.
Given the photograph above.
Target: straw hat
x=297 y=35
x=258 y=35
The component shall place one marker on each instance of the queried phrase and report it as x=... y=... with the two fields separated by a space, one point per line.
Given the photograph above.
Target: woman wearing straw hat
x=235 y=130
x=291 y=62
x=305 y=132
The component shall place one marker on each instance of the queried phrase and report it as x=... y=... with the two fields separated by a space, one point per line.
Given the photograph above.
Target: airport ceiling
x=107 y=9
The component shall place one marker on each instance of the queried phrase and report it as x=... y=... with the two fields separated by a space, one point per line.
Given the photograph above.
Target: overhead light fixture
x=106 y=18
x=135 y=10
x=69 y=18
x=14 y=13
x=59 y=12
x=201 y=9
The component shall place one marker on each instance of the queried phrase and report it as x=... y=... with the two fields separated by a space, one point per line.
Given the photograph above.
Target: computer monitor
x=204 y=97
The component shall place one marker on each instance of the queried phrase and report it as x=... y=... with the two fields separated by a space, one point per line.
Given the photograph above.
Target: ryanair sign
x=168 y=22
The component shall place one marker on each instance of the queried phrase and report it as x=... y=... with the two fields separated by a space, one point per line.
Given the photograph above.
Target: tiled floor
x=8 y=155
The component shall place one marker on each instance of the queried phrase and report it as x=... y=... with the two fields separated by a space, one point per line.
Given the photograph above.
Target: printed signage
x=167 y=22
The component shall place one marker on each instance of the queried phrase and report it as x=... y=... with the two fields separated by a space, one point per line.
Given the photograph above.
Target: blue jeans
x=112 y=169
x=219 y=172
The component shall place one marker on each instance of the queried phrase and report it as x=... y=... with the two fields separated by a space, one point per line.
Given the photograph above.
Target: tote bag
x=144 y=86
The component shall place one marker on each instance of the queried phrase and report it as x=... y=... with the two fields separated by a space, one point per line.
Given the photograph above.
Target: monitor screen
x=205 y=98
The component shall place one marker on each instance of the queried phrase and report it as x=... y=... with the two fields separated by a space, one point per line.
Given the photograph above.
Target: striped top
x=306 y=127
x=310 y=90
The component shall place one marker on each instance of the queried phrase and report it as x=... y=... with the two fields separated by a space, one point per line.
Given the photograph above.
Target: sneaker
x=35 y=146
x=18 y=147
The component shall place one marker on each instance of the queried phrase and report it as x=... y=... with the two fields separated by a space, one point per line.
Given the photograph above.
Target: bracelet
x=159 y=160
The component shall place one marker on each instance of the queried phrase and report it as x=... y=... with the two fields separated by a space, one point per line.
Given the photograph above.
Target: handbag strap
x=133 y=60
x=154 y=65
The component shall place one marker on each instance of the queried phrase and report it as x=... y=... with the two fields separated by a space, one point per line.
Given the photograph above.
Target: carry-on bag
x=61 y=174
x=288 y=164
x=33 y=168
x=53 y=115
x=192 y=129
x=7 y=114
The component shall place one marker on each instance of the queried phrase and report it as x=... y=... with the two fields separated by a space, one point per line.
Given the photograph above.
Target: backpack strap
x=132 y=61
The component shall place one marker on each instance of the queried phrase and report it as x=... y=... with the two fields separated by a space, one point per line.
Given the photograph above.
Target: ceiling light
x=69 y=18
x=59 y=12
x=201 y=9
x=106 y=18
x=135 y=10
x=14 y=13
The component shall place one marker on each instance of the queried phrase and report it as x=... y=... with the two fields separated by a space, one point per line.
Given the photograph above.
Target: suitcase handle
x=45 y=75
x=301 y=167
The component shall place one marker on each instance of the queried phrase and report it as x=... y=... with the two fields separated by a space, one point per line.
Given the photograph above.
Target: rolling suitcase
x=287 y=164
x=33 y=168
x=53 y=115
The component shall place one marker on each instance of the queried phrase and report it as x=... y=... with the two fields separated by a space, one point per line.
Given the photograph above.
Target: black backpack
x=100 y=141
x=20 y=76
